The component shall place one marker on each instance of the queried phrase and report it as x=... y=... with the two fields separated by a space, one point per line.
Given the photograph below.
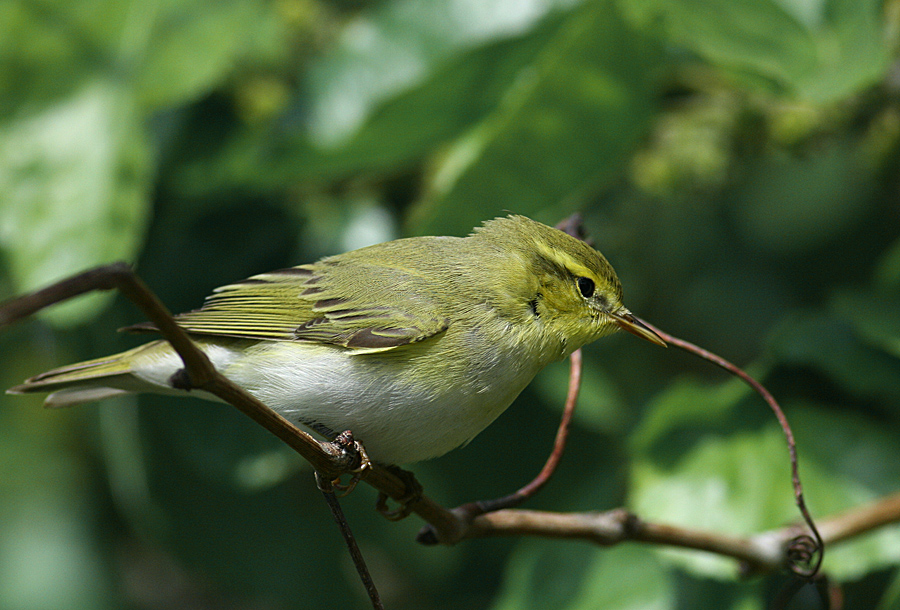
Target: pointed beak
x=627 y=321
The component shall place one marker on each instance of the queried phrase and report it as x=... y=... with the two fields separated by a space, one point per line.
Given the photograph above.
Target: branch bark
x=760 y=553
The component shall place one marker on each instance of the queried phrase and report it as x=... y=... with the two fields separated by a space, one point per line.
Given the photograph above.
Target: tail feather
x=77 y=396
x=147 y=368
x=74 y=375
x=85 y=381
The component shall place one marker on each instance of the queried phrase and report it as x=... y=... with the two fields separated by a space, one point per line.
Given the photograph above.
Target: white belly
x=399 y=418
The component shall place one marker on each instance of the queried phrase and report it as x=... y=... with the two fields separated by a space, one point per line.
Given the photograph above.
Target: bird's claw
x=347 y=443
x=413 y=492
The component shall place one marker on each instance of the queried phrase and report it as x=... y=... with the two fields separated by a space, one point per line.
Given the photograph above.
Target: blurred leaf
x=443 y=103
x=737 y=485
x=565 y=126
x=740 y=484
x=831 y=345
x=687 y=403
x=891 y=597
x=831 y=185
x=50 y=557
x=48 y=536
x=454 y=96
x=396 y=46
x=821 y=51
x=183 y=48
x=168 y=51
x=75 y=179
x=887 y=272
x=126 y=467
x=600 y=405
x=876 y=317
x=860 y=460
x=569 y=577
x=49 y=47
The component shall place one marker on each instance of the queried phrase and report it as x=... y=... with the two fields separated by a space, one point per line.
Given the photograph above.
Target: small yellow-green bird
x=414 y=345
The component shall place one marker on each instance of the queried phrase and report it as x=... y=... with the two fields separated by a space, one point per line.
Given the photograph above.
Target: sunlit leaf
x=453 y=96
x=565 y=125
x=740 y=485
x=821 y=51
x=583 y=577
x=75 y=179
x=397 y=46
x=182 y=49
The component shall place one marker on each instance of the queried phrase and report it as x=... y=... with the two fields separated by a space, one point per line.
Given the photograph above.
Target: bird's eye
x=585 y=286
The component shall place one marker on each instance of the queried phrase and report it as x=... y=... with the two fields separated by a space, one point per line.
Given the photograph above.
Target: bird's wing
x=367 y=307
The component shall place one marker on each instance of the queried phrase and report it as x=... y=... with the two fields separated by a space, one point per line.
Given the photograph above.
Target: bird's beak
x=626 y=320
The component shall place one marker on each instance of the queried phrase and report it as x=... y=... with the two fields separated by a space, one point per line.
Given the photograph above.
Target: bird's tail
x=88 y=381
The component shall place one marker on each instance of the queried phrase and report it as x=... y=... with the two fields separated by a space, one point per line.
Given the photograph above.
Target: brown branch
x=856 y=521
x=760 y=553
x=326 y=486
x=617 y=526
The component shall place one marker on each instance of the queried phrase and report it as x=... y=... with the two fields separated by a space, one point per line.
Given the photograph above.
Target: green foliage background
x=736 y=160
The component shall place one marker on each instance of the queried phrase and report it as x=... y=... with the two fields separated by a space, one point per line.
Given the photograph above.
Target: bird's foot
x=346 y=442
x=412 y=493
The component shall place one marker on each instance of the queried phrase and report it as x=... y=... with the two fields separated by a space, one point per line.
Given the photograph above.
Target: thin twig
x=359 y=562
x=559 y=445
x=805 y=553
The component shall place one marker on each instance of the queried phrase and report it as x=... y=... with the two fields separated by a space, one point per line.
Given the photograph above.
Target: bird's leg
x=350 y=445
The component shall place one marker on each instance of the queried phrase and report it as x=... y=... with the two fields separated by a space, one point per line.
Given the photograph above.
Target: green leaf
x=887 y=272
x=830 y=344
x=455 y=95
x=444 y=102
x=832 y=185
x=48 y=48
x=183 y=49
x=740 y=485
x=860 y=462
x=821 y=51
x=737 y=486
x=687 y=403
x=875 y=317
x=600 y=404
x=396 y=47
x=550 y=575
x=75 y=179
x=50 y=557
x=564 y=127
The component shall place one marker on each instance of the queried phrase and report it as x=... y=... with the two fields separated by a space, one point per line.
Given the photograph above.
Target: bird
x=414 y=345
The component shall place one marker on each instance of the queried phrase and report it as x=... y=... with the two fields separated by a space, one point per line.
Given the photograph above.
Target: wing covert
x=302 y=304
